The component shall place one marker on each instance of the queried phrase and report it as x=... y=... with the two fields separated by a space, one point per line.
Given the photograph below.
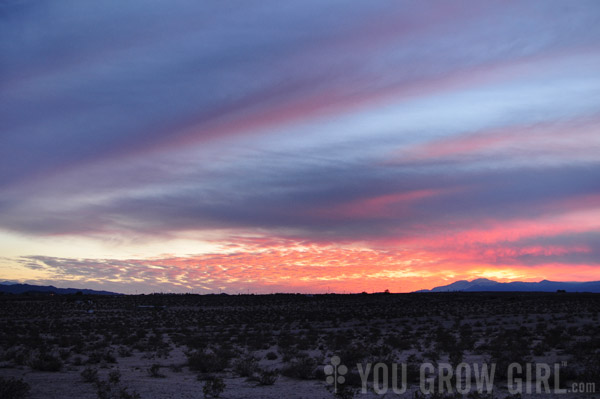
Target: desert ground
x=278 y=346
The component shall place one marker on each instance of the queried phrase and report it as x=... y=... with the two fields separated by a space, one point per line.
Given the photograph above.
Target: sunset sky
x=308 y=146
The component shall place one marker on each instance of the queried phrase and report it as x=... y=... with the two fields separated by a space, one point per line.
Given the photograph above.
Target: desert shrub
x=267 y=377
x=285 y=340
x=13 y=388
x=555 y=337
x=289 y=353
x=46 y=362
x=345 y=392
x=99 y=356
x=338 y=341
x=206 y=362
x=245 y=366
x=455 y=357
x=194 y=342
x=225 y=352
x=354 y=354
x=176 y=368
x=213 y=387
x=163 y=352
x=89 y=374
x=591 y=367
x=64 y=354
x=114 y=377
x=271 y=356
x=258 y=340
x=106 y=390
x=19 y=356
x=125 y=394
x=432 y=355
x=154 y=371
x=302 y=368
x=397 y=342
x=109 y=357
x=124 y=351
x=94 y=358
x=540 y=349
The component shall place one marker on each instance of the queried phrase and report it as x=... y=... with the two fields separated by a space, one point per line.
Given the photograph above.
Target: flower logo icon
x=335 y=372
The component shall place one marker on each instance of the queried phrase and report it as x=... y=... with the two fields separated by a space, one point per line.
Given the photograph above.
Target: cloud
x=315 y=202
x=393 y=127
x=271 y=264
x=151 y=76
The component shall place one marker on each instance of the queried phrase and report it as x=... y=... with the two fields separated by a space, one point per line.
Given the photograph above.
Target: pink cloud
x=553 y=138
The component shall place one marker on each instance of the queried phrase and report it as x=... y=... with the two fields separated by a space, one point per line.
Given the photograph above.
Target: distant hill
x=15 y=288
x=483 y=284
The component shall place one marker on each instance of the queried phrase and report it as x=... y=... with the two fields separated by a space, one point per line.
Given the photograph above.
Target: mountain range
x=483 y=284
x=477 y=285
x=16 y=288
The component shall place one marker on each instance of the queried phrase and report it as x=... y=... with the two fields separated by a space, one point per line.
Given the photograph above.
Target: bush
x=98 y=356
x=176 y=368
x=213 y=387
x=267 y=377
x=12 y=388
x=109 y=357
x=245 y=366
x=345 y=392
x=124 y=394
x=114 y=377
x=89 y=375
x=154 y=371
x=105 y=390
x=46 y=362
x=302 y=368
x=124 y=351
x=205 y=362
x=64 y=354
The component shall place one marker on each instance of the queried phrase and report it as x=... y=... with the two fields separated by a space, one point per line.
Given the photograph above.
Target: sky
x=268 y=146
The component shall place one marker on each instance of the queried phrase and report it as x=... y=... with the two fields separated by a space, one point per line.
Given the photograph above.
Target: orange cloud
x=506 y=250
x=267 y=266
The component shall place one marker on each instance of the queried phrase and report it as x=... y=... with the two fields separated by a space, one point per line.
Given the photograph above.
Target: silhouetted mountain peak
x=16 y=288
x=484 y=284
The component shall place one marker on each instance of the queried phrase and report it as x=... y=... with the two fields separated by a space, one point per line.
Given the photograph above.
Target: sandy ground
x=312 y=334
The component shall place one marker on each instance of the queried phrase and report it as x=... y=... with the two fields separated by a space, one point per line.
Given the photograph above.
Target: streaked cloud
x=397 y=141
